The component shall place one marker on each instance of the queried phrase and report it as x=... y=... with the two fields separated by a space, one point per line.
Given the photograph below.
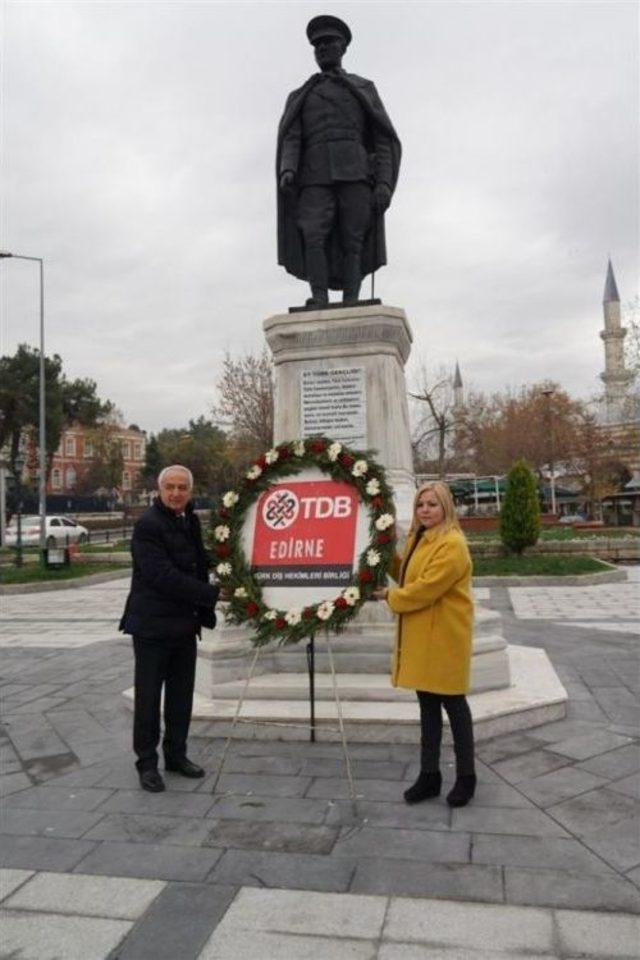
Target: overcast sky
x=137 y=156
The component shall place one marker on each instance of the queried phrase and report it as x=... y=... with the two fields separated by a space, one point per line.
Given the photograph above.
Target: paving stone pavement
x=544 y=863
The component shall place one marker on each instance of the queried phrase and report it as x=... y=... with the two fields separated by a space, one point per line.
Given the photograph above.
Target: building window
x=70 y=446
x=88 y=448
x=56 y=478
x=126 y=450
x=71 y=478
x=137 y=451
x=126 y=480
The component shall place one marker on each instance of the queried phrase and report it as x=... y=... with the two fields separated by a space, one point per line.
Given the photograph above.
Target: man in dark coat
x=170 y=600
x=337 y=167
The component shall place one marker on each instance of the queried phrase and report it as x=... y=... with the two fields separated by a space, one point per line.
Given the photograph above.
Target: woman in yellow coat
x=434 y=606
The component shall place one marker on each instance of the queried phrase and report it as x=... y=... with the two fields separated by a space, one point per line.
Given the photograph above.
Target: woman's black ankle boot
x=427 y=786
x=463 y=790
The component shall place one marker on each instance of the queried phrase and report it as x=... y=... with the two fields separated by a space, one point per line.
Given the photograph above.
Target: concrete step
x=535 y=696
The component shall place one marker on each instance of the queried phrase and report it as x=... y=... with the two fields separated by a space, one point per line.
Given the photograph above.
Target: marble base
x=535 y=696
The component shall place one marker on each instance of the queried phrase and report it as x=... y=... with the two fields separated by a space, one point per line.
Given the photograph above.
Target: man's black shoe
x=152 y=781
x=184 y=767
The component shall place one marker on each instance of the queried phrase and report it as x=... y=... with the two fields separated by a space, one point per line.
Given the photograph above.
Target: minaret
x=615 y=377
x=458 y=398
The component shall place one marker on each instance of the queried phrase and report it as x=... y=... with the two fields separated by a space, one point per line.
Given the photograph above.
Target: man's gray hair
x=176 y=466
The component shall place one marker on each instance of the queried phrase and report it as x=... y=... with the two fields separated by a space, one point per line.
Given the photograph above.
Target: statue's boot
x=352 y=278
x=317 y=277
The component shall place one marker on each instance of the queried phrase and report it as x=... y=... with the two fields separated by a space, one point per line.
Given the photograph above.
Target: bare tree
x=436 y=418
x=245 y=401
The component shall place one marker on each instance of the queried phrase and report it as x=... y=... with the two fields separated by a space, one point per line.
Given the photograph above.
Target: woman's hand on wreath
x=380 y=593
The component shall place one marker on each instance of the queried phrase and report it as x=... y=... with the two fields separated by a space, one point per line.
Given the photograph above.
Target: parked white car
x=61 y=531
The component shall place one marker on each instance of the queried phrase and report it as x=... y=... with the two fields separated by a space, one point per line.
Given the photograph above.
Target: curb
x=63 y=584
x=577 y=580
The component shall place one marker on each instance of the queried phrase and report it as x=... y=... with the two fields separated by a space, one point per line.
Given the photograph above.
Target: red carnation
x=261 y=462
x=341 y=603
x=376 y=502
x=307 y=613
x=384 y=538
x=365 y=576
x=223 y=512
x=281 y=623
x=223 y=549
x=252 y=609
x=318 y=446
x=283 y=451
x=346 y=460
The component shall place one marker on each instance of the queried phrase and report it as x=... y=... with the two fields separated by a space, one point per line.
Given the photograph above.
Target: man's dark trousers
x=158 y=662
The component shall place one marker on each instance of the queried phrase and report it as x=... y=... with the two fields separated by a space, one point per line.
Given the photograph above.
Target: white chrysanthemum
x=373 y=558
x=351 y=595
x=293 y=616
x=223 y=569
x=270 y=615
x=384 y=521
x=271 y=455
x=240 y=592
x=373 y=487
x=298 y=448
x=359 y=468
x=334 y=451
x=254 y=472
x=230 y=498
x=221 y=533
x=325 y=610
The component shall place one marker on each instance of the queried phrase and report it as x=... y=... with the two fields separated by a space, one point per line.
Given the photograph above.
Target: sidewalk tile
x=595 y=935
x=538 y=852
x=531 y=823
x=42 y=853
x=586 y=891
x=337 y=788
x=12 y=782
x=414 y=951
x=618 y=844
x=57 y=798
x=307 y=913
x=426 y=816
x=456 y=881
x=10 y=880
x=117 y=898
x=361 y=769
x=177 y=804
x=283 y=837
x=50 y=937
x=594 y=810
x=137 y=828
x=590 y=744
x=273 y=766
x=47 y=823
x=427 y=846
x=528 y=765
x=287 y=870
x=233 y=944
x=468 y=925
x=155 y=861
x=178 y=923
x=630 y=786
x=559 y=785
x=288 y=809
x=259 y=785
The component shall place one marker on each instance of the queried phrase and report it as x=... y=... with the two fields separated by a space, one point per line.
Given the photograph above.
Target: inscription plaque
x=333 y=403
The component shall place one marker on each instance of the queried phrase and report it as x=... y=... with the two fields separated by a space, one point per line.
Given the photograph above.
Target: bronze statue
x=337 y=167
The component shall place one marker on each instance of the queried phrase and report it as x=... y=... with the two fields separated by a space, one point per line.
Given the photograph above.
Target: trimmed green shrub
x=520 y=514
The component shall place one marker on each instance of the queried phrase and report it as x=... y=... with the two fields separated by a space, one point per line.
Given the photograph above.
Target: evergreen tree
x=520 y=514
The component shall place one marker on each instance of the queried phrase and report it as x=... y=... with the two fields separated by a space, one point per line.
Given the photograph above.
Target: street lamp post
x=548 y=393
x=18 y=467
x=42 y=439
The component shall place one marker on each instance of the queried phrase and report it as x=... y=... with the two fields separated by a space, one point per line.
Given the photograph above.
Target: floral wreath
x=246 y=603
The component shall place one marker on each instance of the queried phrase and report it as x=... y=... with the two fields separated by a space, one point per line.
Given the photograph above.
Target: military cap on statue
x=325 y=26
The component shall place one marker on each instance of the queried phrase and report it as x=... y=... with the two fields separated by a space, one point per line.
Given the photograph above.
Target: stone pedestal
x=376 y=339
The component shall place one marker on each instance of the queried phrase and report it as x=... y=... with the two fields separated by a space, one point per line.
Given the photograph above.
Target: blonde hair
x=444 y=498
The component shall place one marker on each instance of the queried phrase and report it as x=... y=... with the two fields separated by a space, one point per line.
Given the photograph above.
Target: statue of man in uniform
x=337 y=167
